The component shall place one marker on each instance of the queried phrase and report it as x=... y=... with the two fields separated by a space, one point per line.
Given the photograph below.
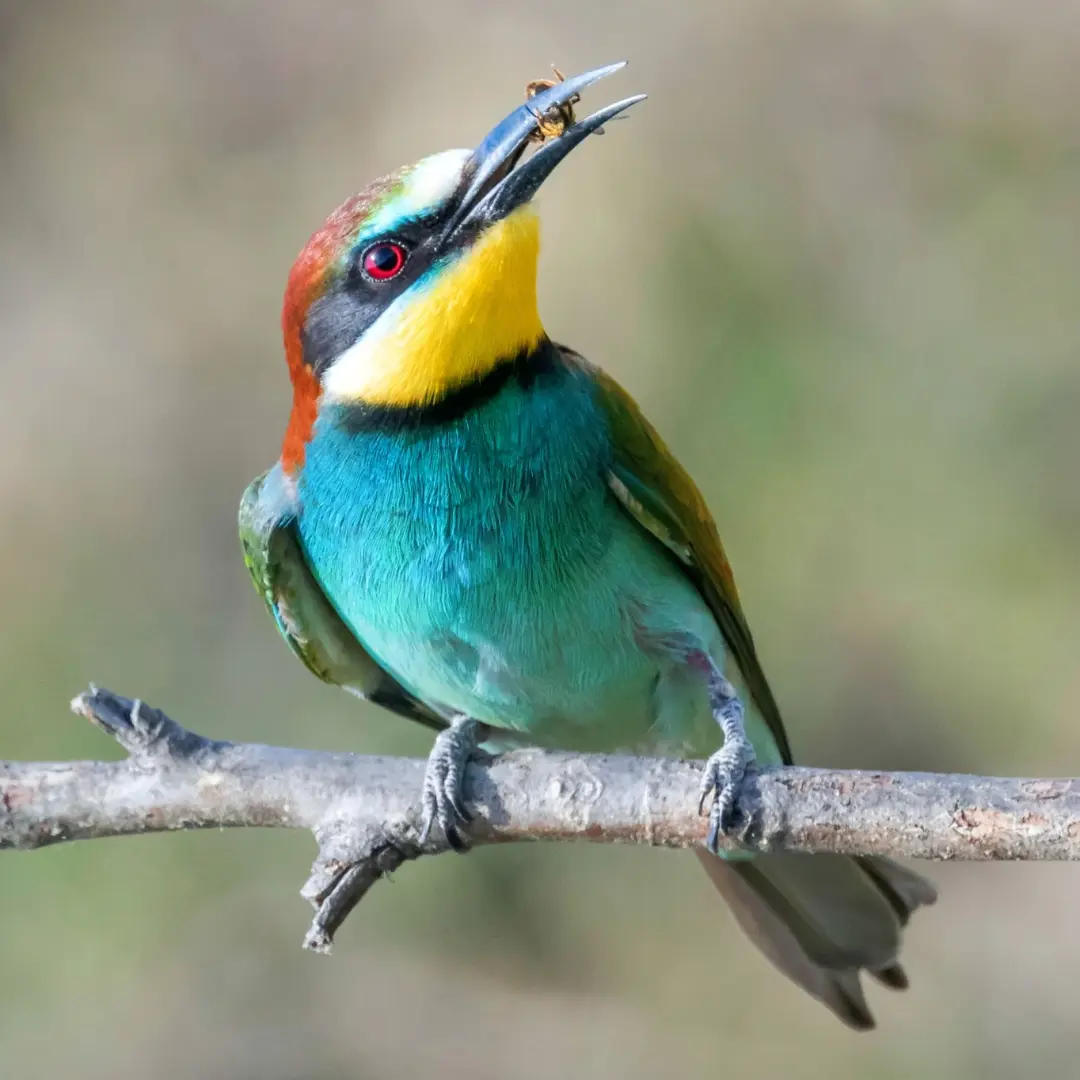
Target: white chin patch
x=430 y=183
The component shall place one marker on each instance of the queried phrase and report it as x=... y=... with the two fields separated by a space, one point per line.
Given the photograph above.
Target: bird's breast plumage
x=485 y=563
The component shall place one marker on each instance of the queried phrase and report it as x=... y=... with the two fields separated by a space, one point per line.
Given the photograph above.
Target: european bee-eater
x=478 y=529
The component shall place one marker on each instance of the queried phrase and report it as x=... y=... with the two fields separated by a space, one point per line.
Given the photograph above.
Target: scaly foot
x=725 y=770
x=444 y=780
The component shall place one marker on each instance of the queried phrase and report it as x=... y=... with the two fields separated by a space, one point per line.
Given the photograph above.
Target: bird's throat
x=456 y=326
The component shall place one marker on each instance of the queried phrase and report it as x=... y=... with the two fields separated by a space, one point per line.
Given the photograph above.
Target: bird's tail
x=823 y=919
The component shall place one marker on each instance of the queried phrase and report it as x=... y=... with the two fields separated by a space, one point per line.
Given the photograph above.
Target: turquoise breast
x=482 y=560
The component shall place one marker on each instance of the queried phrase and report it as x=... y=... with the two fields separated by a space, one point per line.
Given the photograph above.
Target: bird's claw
x=444 y=778
x=723 y=777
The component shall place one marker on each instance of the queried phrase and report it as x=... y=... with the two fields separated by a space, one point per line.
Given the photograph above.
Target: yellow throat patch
x=440 y=335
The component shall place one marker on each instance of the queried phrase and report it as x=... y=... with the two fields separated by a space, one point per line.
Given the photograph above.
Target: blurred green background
x=837 y=258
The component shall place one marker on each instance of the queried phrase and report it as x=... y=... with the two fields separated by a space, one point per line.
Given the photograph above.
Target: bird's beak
x=491 y=186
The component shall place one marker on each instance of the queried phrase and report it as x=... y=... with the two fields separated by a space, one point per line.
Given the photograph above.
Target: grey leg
x=444 y=779
x=724 y=771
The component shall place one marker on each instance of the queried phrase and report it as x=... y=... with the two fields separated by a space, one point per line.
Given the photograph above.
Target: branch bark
x=365 y=811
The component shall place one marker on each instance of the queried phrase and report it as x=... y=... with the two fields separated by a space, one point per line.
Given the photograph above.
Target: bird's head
x=425 y=281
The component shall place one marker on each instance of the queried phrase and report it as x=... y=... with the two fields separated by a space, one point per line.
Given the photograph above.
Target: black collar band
x=525 y=369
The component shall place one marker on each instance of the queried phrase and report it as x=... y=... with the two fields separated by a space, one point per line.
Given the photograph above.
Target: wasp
x=553 y=121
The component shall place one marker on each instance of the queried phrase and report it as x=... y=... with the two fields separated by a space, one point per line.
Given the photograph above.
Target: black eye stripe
x=355 y=299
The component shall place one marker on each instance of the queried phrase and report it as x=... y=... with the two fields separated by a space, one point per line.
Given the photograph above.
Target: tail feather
x=895 y=977
x=823 y=919
x=903 y=888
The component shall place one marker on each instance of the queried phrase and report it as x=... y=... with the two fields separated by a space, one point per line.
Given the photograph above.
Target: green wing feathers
x=649 y=481
x=308 y=622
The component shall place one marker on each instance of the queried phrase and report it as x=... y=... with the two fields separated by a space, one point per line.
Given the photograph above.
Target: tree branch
x=365 y=811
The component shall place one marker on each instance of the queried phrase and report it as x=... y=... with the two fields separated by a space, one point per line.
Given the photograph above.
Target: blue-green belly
x=486 y=565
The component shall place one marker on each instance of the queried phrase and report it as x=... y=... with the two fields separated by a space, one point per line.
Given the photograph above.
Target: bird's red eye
x=383 y=261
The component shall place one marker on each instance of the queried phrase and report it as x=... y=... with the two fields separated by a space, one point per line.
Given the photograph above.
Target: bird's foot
x=724 y=773
x=444 y=780
x=726 y=769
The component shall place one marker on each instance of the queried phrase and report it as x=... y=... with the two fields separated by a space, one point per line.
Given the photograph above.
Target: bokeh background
x=836 y=256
